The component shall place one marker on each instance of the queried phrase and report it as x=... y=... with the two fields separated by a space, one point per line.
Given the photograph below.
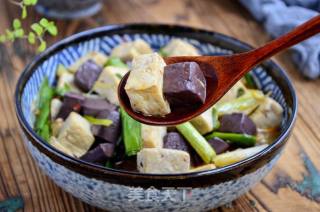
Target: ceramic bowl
x=68 y=9
x=117 y=190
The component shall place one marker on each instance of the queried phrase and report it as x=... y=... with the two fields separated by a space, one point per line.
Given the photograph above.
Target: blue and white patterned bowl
x=118 y=190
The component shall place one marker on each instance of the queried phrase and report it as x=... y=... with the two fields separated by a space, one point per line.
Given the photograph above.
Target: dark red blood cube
x=111 y=133
x=71 y=102
x=237 y=123
x=174 y=140
x=99 y=154
x=94 y=106
x=87 y=75
x=219 y=145
x=184 y=84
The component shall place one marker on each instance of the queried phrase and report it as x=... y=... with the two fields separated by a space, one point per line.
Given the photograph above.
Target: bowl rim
x=104 y=30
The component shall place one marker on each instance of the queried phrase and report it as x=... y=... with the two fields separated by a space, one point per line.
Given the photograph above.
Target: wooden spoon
x=221 y=73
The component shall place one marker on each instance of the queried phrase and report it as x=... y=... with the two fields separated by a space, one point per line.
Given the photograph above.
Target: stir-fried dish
x=80 y=115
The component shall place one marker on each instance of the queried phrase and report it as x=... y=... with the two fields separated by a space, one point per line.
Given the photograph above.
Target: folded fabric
x=281 y=16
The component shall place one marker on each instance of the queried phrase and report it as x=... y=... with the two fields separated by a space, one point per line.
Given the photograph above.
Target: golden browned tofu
x=178 y=47
x=56 y=144
x=75 y=135
x=268 y=115
x=145 y=83
x=128 y=50
x=107 y=83
x=152 y=136
x=67 y=79
x=159 y=160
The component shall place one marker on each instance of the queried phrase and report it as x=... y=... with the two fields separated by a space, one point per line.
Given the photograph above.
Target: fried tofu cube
x=56 y=144
x=178 y=47
x=152 y=136
x=268 y=115
x=128 y=50
x=163 y=161
x=67 y=79
x=75 y=135
x=107 y=83
x=204 y=122
x=145 y=84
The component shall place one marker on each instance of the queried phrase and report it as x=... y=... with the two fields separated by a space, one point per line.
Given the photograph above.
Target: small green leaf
x=24 y=12
x=10 y=35
x=37 y=28
x=52 y=29
x=26 y=2
x=31 y=38
x=19 y=33
x=2 y=38
x=29 y=2
x=44 y=22
x=16 y=24
x=42 y=47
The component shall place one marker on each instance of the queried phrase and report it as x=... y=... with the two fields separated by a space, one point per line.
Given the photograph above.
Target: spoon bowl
x=178 y=114
x=221 y=73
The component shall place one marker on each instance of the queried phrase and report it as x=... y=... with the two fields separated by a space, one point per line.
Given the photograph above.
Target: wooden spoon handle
x=297 y=35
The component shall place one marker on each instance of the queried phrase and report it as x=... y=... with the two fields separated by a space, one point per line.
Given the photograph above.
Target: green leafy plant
x=37 y=31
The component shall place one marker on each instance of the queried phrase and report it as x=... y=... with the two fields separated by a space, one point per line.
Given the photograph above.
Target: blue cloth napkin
x=279 y=17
